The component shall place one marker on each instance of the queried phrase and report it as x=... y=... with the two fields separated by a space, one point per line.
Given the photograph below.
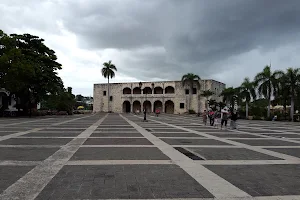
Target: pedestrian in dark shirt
x=234 y=117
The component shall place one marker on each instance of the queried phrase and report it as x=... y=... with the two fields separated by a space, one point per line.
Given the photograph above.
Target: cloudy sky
x=152 y=40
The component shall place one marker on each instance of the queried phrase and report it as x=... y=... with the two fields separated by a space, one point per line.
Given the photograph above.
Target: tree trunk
x=269 y=107
x=108 y=95
x=284 y=108
x=292 y=108
x=247 y=110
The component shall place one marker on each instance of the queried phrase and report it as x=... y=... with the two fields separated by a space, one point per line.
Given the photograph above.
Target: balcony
x=148 y=95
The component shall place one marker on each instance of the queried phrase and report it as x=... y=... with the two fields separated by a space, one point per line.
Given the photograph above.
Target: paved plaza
x=118 y=156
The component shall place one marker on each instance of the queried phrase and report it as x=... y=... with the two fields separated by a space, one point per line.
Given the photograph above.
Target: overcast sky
x=150 y=40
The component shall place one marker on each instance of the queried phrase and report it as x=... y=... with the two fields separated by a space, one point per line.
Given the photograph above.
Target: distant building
x=168 y=96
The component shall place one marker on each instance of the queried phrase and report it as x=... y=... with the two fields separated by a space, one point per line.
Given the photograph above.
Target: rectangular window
x=187 y=91
x=194 y=90
x=181 y=105
x=104 y=93
x=111 y=98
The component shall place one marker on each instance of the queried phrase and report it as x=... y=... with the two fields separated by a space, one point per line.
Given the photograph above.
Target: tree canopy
x=108 y=71
x=190 y=79
x=27 y=64
x=28 y=68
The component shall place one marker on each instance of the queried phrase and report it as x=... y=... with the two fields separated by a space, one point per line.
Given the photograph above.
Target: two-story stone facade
x=167 y=96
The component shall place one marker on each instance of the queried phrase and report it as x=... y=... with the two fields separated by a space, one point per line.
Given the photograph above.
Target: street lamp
x=145 y=112
x=30 y=90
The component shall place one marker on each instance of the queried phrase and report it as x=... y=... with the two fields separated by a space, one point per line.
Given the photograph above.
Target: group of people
x=216 y=118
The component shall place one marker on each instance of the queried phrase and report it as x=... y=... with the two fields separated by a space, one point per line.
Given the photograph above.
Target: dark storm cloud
x=115 y=24
x=195 y=33
x=166 y=38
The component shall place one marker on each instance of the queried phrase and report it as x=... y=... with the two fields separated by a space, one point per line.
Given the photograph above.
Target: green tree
x=79 y=97
x=108 y=71
x=63 y=100
x=221 y=105
x=212 y=104
x=207 y=94
x=230 y=95
x=282 y=95
x=190 y=79
x=267 y=82
x=247 y=92
x=28 y=68
x=66 y=101
x=292 y=78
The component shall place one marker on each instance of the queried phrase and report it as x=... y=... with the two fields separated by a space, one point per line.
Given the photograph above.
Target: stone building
x=168 y=96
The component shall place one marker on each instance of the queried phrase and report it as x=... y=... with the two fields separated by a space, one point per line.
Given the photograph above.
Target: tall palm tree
x=283 y=93
x=108 y=71
x=207 y=94
x=292 y=78
x=247 y=91
x=267 y=82
x=190 y=79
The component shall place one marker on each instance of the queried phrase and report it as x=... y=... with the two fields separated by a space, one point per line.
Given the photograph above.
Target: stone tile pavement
x=119 y=156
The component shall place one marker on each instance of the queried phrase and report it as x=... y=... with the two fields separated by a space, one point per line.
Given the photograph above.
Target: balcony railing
x=148 y=95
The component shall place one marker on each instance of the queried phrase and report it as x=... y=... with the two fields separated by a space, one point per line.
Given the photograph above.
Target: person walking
x=211 y=115
x=204 y=117
x=224 y=117
x=157 y=112
x=233 y=119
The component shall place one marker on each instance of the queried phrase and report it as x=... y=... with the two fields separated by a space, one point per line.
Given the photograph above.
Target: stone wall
x=136 y=101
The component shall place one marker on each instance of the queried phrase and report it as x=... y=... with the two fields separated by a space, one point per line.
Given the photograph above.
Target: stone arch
x=157 y=105
x=137 y=90
x=147 y=105
x=169 y=90
x=126 y=107
x=136 y=106
x=169 y=107
x=158 y=90
x=127 y=90
x=147 y=90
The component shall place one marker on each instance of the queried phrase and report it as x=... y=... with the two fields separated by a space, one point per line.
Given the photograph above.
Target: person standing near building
x=224 y=117
x=211 y=115
x=234 y=117
x=204 y=117
x=157 y=112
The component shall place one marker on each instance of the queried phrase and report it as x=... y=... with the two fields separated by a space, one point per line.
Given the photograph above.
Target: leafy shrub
x=62 y=113
x=256 y=118
x=192 y=112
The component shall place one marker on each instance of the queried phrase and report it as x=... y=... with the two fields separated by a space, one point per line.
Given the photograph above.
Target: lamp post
x=145 y=111
x=30 y=90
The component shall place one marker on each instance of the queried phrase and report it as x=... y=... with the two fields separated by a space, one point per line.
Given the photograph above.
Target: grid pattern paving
x=119 y=156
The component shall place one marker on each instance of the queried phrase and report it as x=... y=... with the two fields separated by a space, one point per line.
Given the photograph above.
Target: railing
x=148 y=95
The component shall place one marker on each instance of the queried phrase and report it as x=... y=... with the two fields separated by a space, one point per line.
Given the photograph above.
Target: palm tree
x=108 y=72
x=247 y=92
x=283 y=93
x=267 y=82
x=212 y=103
x=229 y=95
x=190 y=79
x=292 y=78
x=221 y=105
x=207 y=94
